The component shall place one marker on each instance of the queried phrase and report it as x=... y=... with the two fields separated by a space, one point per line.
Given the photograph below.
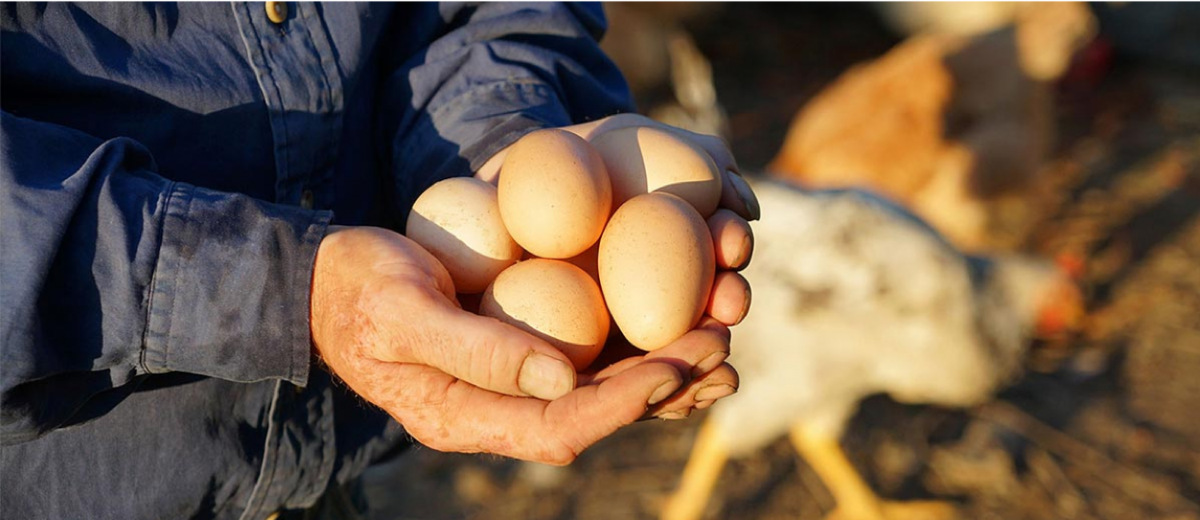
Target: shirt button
x=277 y=11
x=306 y=199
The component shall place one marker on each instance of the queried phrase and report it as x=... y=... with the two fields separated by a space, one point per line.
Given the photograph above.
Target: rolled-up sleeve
x=494 y=73
x=111 y=273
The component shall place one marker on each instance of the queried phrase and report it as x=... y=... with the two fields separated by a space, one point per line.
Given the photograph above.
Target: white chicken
x=854 y=297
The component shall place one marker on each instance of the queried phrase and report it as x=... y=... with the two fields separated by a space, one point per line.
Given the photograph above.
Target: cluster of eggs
x=579 y=229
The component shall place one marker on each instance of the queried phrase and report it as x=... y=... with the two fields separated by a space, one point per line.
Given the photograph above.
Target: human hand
x=385 y=320
x=730 y=297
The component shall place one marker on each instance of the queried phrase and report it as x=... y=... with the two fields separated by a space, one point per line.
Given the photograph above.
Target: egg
x=656 y=265
x=554 y=193
x=643 y=160
x=554 y=301
x=458 y=221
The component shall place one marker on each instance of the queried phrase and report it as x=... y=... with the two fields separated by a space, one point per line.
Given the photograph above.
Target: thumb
x=494 y=356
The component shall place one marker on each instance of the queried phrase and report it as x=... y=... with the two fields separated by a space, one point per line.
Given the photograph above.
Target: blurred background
x=1071 y=134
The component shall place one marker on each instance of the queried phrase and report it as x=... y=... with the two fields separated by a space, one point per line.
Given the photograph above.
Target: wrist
x=318 y=286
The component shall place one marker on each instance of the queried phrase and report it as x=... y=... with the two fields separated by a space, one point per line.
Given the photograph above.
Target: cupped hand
x=384 y=319
x=733 y=242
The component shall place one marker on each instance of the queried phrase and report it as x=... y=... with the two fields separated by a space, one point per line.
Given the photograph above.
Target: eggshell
x=554 y=301
x=458 y=221
x=643 y=160
x=554 y=193
x=656 y=266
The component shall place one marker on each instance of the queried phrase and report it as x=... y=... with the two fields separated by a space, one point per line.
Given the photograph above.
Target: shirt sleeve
x=493 y=73
x=111 y=273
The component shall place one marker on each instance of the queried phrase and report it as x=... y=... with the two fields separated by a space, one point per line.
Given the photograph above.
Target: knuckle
x=559 y=454
x=487 y=361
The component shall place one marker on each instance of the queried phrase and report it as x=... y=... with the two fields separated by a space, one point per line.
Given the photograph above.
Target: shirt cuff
x=231 y=287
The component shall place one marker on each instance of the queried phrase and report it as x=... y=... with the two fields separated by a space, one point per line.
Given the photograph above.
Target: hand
x=384 y=319
x=734 y=244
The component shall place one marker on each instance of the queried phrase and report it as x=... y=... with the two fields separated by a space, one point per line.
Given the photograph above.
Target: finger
x=701 y=392
x=697 y=352
x=492 y=355
x=616 y=350
x=700 y=350
x=470 y=419
x=733 y=239
x=735 y=191
x=729 y=301
x=716 y=147
x=737 y=196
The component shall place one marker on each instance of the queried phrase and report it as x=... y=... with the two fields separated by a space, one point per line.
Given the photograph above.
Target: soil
x=1105 y=424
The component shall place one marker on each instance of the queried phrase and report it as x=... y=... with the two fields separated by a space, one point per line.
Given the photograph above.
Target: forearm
x=112 y=273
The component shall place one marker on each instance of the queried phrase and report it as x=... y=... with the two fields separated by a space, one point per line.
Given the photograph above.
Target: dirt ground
x=1104 y=425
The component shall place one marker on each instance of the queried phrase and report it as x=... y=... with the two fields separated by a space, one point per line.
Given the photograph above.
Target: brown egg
x=458 y=221
x=555 y=196
x=656 y=264
x=643 y=160
x=554 y=301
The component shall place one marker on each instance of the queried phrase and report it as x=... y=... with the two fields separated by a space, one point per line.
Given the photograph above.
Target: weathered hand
x=384 y=319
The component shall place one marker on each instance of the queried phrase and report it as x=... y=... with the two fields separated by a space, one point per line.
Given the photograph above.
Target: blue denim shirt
x=167 y=174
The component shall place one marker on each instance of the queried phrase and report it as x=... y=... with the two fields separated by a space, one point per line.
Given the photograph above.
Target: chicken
x=966 y=18
x=695 y=106
x=953 y=126
x=854 y=297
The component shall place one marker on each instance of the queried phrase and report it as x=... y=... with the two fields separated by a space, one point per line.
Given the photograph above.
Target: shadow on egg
x=461 y=260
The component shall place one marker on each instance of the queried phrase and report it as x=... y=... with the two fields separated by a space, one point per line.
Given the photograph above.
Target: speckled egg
x=554 y=193
x=554 y=301
x=458 y=221
x=643 y=160
x=656 y=265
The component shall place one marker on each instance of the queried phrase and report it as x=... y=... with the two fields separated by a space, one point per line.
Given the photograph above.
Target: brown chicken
x=953 y=126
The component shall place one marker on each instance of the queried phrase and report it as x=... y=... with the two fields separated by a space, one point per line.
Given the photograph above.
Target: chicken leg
x=855 y=500
x=704 y=466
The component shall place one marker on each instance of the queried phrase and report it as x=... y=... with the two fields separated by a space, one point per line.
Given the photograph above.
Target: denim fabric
x=167 y=173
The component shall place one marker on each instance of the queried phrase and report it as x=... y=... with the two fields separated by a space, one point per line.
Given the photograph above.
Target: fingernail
x=673 y=416
x=746 y=194
x=714 y=392
x=743 y=254
x=663 y=391
x=746 y=306
x=544 y=377
x=707 y=364
x=704 y=404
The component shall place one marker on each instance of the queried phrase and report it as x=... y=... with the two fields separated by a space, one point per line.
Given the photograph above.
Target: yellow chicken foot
x=855 y=499
x=708 y=458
